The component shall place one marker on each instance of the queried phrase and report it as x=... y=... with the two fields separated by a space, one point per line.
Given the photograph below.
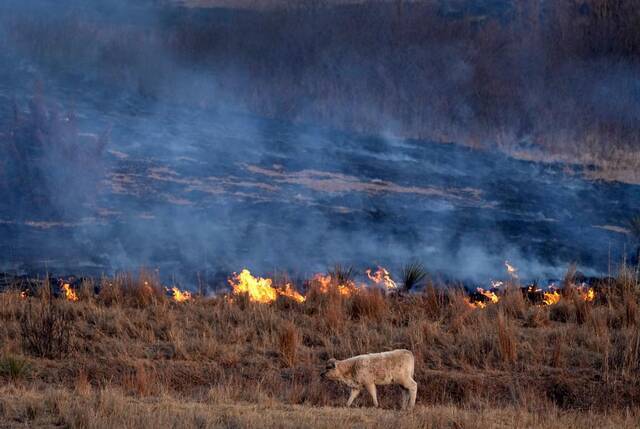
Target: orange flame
x=179 y=295
x=487 y=293
x=586 y=293
x=551 y=297
x=260 y=289
x=474 y=304
x=69 y=293
x=290 y=292
x=382 y=277
x=326 y=283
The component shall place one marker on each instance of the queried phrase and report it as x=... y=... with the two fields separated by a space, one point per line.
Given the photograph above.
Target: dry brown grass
x=112 y=408
x=209 y=362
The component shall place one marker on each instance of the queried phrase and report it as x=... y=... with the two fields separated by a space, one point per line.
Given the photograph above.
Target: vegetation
x=413 y=274
x=137 y=358
x=14 y=368
x=44 y=327
x=342 y=274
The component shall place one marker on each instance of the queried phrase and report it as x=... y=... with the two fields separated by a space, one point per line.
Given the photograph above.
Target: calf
x=365 y=371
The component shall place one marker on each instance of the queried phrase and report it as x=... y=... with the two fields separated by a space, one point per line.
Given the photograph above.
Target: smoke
x=229 y=142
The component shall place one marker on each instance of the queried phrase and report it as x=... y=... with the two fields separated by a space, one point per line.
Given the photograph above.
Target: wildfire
x=260 y=289
x=586 y=293
x=290 y=292
x=179 y=295
x=551 y=297
x=487 y=293
x=325 y=282
x=490 y=295
x=382 y=277
x=475 y=304
x=69 y=293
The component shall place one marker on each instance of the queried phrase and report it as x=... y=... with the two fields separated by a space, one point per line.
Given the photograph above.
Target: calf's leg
x=405 y=397
x=371 y=388
x=354 y=394
x=413 y=391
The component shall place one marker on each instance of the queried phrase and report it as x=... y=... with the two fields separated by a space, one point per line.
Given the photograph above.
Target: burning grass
x=133 y=343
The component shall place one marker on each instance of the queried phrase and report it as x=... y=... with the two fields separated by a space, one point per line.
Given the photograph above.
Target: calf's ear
x=331 y=363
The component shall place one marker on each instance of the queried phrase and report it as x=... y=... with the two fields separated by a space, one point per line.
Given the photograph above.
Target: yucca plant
x=413 y=274
x=14 y=368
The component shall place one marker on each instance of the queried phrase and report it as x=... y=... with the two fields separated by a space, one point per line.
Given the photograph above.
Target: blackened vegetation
x=556 y=76
x=47 y=165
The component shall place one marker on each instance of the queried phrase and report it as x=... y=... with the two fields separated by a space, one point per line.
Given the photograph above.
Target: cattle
x=367 y=371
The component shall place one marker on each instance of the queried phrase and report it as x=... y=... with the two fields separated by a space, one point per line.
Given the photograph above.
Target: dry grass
x=136 y=358
x=112 y=408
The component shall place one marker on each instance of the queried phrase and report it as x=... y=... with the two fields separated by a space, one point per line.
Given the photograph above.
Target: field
x=124 y=352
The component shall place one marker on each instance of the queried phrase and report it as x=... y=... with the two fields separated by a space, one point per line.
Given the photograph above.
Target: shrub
x=14 y=368
x=143 y=291
x=368 y=303
x=289 y=340
x=507 y=342
x=435 y=302
x=45 y=328
x=560 y=312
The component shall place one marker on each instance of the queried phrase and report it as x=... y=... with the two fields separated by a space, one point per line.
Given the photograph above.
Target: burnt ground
x=210 y=190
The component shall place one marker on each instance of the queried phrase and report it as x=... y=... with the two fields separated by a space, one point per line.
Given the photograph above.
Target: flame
x=491 y=296
x=382 y=277
x=290 y=292
x=179 y=295
x=326 y=284
x=487 y=293
x=591 y=295
x=260 y=289
x=587 y=293
x=69 y=293
x=474 y=304
x=513 y=271
x=551 y=297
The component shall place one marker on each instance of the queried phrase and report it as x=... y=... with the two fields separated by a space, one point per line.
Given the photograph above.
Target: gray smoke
x=200 y=175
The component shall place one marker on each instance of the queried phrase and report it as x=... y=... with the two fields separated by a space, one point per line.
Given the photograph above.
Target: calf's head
x=331 y=370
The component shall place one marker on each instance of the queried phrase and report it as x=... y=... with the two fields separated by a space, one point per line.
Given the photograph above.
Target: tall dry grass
x=516 y=355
